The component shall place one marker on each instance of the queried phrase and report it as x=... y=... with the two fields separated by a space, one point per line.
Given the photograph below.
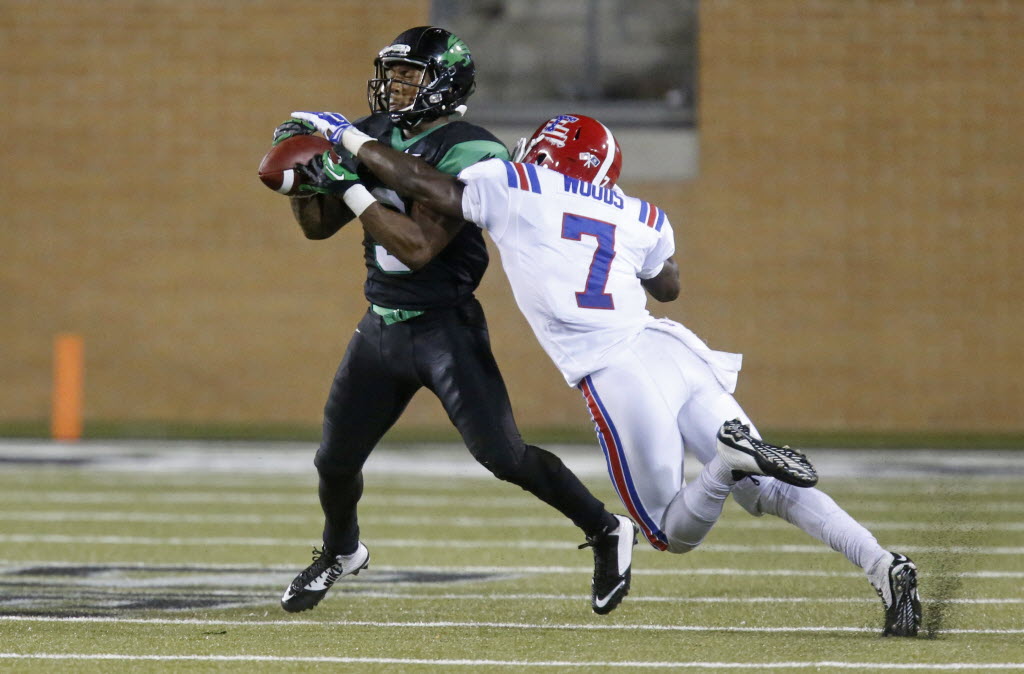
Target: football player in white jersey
x=579 y=255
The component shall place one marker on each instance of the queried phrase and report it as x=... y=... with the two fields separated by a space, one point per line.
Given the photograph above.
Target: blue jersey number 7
x=573 y=228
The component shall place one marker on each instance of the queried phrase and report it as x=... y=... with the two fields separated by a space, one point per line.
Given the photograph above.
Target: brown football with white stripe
x=277 y=168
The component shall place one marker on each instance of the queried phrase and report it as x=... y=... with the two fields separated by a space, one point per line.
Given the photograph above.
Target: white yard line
x=23 y=497
x=703 y=571
x=728 y=572
x=29 y=496
x=355 y=592
x=446 y=662
x=276 y=458
x=880 y=488
x=62 y=539
x=443 y=624
x=457 y=521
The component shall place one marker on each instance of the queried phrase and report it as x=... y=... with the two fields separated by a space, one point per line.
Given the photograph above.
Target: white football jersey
x=574 y=254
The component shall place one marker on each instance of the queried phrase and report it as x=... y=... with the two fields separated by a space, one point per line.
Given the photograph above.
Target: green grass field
x=146 y=557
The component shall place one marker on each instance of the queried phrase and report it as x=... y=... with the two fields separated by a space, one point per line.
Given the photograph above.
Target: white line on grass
x=666 y=600
x=22 y=565
x=632 y=664
x=846 y=487
x=357 y=593
x=263 y=498
x=22 y=497
x=62 y=539
x=458 y=521
x=444 y=624
x=159 y=518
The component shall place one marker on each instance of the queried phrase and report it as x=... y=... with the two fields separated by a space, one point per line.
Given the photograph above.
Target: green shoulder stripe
x=466 y=154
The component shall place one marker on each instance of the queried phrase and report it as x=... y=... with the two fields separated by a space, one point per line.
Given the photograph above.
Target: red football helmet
x=578 y=146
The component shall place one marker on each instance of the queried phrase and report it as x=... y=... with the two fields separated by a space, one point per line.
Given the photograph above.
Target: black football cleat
x=747 y=455
x=898 y=590
x=310 y=586
x=613 y=558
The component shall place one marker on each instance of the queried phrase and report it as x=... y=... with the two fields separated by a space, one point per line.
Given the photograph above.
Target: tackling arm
x=414 y=178
x=437 y=209
x=414 y=243
x=665 y=286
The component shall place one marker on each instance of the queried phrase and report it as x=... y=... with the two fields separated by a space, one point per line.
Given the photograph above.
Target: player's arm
x=414 y=178
x=665 y=286
x=413 y=241
x=438 y=211
x=407 y=175
x=320 y=216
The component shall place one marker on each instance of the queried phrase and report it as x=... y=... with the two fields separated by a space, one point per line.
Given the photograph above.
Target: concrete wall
x=855 y=228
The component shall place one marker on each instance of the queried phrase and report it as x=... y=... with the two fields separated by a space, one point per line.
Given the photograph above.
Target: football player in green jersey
x=424 y=327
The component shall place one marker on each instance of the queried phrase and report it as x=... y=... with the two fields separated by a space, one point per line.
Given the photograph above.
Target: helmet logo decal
x=395 y=50
x=457 y=52
x=590 y=159
x=556 y=131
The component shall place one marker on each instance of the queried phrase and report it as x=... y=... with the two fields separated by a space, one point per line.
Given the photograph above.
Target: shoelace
x=599 y=558
x=317 y=567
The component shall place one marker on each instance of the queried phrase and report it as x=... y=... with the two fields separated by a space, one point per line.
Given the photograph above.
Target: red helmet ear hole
x=541 y=158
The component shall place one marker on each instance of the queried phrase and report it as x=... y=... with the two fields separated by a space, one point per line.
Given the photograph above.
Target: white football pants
x=655 y=400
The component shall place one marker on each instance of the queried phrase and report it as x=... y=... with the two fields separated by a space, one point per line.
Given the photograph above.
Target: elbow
x=314 y=235
x=662 y=292
x=669 y=294
x=665 y=296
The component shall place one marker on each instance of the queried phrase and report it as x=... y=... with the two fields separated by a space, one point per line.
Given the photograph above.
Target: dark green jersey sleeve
x=470 y=152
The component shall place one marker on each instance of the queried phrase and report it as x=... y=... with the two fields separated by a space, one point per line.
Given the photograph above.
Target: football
x=276 y=170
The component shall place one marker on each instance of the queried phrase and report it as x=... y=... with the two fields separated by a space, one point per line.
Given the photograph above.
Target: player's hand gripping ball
x=277 y=170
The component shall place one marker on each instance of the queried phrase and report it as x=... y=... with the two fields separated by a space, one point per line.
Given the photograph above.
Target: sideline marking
x=356 y=593
x=21 y=564
x=867 y=666
x=457 y=521
x=62 y=539
x=600 y=627
x=22 y=496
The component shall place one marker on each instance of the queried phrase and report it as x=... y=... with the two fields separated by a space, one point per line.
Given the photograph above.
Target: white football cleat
x=613 y=558
x=310 y=586
x=897 y=586
x=747 y=455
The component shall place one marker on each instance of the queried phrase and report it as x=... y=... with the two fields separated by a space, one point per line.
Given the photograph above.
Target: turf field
x=170 y=557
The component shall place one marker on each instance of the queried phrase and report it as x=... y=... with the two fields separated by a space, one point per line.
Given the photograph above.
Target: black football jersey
x=455 y=273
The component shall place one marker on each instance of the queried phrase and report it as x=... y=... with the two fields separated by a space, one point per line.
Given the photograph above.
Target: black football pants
x=448 y=351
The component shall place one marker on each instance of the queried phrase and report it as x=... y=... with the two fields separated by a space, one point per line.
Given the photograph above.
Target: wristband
x=352 y=139
x=358 y=199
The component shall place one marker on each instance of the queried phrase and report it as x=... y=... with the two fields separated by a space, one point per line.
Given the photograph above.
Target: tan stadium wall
x=855 y=229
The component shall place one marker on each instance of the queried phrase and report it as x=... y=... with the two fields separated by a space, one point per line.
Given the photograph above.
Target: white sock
x=814 y=512
x=697 y=506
